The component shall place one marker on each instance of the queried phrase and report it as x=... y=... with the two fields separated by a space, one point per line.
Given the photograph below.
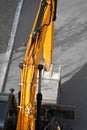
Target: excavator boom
x=41 y=40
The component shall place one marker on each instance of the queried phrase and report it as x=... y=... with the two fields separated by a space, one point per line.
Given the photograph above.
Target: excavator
x=30 y=111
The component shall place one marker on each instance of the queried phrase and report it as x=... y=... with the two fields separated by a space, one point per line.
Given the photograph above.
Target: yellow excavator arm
x=39 y=47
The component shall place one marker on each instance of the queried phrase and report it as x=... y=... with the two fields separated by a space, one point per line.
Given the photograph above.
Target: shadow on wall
x=74 y=92
x=71 y=32
x=74 y=28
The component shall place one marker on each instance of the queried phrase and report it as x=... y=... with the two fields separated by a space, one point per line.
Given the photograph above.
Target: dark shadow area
x=74 y=92
x=7 y=13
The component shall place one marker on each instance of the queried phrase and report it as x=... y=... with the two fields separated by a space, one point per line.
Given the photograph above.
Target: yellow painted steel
x=48 y=46
x=43 y=43
x=58 y=128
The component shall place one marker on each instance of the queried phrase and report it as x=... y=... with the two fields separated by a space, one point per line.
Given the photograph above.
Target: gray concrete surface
x=7 y=13
x=70 y=50
x=7 y=55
